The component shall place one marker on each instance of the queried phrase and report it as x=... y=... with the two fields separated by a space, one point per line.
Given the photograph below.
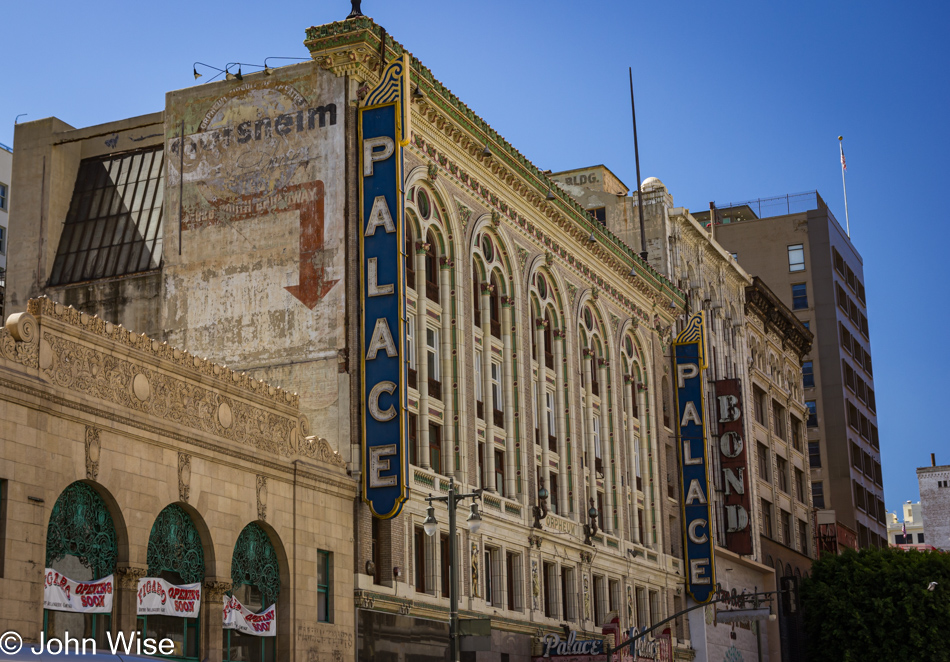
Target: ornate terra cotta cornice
x=762 y=302
x=353 y=47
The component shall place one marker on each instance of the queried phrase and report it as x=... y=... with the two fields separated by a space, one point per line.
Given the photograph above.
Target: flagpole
x=844 y=186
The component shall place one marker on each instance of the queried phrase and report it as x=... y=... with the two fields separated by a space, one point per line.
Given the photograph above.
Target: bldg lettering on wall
x=733 y=460
x=383 y=131
x=689 y=360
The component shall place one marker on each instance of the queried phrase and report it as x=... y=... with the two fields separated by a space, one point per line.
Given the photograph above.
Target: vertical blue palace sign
x=689 y=361
x=383 y=132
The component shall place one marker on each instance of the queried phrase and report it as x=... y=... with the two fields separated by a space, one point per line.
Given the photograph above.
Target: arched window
x=494 y=307
x=175 y=554
x=255 y=582
x=666 y=402
x=80 y=544
x=410 y=258
x=432 y=268
x=476 y=295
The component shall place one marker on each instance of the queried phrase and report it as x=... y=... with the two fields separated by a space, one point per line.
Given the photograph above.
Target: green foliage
x=874 y=605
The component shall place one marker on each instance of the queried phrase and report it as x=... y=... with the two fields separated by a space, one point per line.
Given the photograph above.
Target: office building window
x=433 y=361
x=807 y=325
x=766 y=518
x=838 y=260
x=3 y=240
x=492 y=570
x=323 y=586
x=567 y=594
x=808 y=374
x=444 y=563
x=800 y=485
x=642 y=621
x=814 y=454
x=3 y=197
x=513 y=579
x=500 y=471
x=419 y=557
x=796 y=257
x=550 y=598
x=818 y=495
x=812 y=413
x=758 y=402
x=435 y=448
x=600 y=601
x=655 y=616
x=786 y=519
x=478 y=378
x=797 y=437
x=778 y=421
x=763 y=454
x=803 y=536
x=781 y=469
x=799 y=296
x=497 y=395
x=920 y=539
x=599 y=214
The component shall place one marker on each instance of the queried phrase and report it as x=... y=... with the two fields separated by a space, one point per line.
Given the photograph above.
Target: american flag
x=904 y=528
x=844 y=166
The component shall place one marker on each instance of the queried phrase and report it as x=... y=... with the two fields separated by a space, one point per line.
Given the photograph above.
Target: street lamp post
x=430 y=526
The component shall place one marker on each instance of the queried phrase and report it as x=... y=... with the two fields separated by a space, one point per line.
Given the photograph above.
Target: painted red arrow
x=312 y=284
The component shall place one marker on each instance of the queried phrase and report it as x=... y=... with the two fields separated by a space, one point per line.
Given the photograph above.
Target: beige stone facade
x=147 y=426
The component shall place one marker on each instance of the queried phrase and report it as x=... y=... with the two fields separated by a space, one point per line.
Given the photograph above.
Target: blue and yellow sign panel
x=689 y=358
x=383 y=131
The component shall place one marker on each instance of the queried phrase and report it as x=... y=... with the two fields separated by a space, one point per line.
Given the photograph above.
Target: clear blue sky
x=736 y=100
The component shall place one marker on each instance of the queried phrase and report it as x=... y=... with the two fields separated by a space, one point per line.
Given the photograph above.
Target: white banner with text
x=157 y=597
x=240 y=618
x=63 y=594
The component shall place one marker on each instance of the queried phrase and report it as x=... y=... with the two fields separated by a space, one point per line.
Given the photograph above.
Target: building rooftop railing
x=9 y=149
x=780 y=205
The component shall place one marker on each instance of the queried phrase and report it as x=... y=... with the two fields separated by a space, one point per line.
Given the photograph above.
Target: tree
x=875 y=605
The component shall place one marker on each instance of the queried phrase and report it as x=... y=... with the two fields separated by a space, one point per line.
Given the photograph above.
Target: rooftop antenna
x=636 y=153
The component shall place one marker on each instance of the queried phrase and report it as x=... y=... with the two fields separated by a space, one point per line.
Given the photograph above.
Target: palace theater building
x=531 y=347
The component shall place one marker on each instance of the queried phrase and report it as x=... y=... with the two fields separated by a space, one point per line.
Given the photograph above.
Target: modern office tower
x=795 y=244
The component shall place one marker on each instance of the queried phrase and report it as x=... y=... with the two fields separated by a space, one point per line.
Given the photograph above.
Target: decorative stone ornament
x=92 y=453
x=184 y=477
x=262 y=498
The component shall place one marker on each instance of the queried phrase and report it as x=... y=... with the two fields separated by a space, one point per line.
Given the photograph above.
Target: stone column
x=588 y=355
x=125 y=604
x=511 y=489
x=212 y=601
x=607 y=446
x=561 y=422
x=541 y=406
x=488 y=403
x=422 y=358
x=631 y=439
x=448 y=389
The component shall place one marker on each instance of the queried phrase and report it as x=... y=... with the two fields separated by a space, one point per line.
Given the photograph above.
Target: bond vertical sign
x=383 y=131
x=689 y=361
x=736 y=500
